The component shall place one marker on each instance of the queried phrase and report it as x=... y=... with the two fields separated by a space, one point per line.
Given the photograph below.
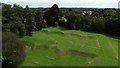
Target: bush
x=12 y=50
x=71 y=21
x=112 y=27
x=98 y=24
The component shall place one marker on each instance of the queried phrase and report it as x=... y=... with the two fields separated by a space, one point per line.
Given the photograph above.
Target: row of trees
x=21 y=21
x=100 y=20
x=95 y=20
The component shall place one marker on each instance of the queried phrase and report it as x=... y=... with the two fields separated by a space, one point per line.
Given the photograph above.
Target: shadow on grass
x=104 y=33
x=62 y=28
x=80 y=53
x=62 y=52
x=62 y=33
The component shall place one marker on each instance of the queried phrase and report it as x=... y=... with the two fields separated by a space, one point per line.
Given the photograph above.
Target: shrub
x=12 y=50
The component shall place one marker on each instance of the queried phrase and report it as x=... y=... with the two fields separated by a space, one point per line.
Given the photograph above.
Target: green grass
x=61 y=47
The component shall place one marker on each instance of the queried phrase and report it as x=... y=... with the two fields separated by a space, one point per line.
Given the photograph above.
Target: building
x=63 y=19
x=87 y=12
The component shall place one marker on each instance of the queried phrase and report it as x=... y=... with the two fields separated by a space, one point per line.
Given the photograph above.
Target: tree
x=85 y=24
x=40 y=22
x=12 y=50
x=52 y=15
x=98 y=24
x=71 y=21
x=5 y=27
x=109 y=13
x=29 y=21
x=112 y=25
x=6 y=17
x=17 y=21
x=12 y=19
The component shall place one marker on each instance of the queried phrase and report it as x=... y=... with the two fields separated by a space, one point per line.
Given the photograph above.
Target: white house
x=63 y=19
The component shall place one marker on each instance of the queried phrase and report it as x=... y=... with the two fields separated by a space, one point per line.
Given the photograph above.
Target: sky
x=66 y=3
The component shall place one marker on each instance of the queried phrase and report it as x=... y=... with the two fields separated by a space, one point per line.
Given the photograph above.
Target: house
x=87 y=12
x=63 y=19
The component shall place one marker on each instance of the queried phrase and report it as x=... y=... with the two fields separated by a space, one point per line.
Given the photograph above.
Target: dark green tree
x=17 y=25
x=40 y=22
x=6 y=17
x=52 y=16
x=86 y=24
x=12 y=19
x=29 y=20
x=98 y=24
x=71 y=21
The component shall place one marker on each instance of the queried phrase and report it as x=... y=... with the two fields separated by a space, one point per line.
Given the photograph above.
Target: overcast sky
x=66 y=3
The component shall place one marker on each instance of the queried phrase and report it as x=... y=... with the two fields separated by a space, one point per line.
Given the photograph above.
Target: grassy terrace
x=61 y=47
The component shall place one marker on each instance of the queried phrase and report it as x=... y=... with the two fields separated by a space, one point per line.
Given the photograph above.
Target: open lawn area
x=56 y=46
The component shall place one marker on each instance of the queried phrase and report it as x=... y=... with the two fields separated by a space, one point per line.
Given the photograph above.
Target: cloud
x=66 y=3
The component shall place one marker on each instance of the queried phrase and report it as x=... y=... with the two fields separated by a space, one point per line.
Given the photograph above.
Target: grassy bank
x=61 y=47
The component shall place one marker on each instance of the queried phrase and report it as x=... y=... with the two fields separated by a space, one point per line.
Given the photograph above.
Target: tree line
x=22 y=21
x=106 y=21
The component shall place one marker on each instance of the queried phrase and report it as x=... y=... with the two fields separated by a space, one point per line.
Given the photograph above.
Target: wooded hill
x=23 y=21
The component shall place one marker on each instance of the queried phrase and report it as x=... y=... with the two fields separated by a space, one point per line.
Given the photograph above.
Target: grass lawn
x=61 y=47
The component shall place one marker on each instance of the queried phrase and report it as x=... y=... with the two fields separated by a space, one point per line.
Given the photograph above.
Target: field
x=62 y=47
